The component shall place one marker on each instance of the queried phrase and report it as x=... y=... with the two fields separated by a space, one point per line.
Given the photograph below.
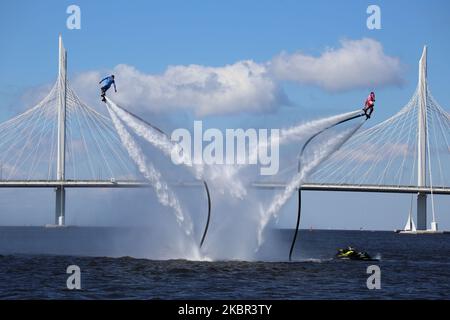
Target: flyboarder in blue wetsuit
x=108 y=82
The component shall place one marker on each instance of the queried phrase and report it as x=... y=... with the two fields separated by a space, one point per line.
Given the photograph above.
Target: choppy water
x=411 y=267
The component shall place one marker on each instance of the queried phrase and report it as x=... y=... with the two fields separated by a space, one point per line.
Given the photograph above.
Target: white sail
x=410 y=226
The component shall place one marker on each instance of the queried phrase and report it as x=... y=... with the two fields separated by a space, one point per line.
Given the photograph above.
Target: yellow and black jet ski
x=351 y=253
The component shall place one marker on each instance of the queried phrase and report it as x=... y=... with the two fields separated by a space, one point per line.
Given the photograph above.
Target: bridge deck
x=87 y=184
x=356 y=188
x=72 y=184
x=261 y=185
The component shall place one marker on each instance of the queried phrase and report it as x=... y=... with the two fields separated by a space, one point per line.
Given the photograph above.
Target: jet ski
x=353 y=254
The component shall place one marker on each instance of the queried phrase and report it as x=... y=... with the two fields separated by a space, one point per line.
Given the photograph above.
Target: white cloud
x=246 y=86
x=357 y=64
x=241 y=87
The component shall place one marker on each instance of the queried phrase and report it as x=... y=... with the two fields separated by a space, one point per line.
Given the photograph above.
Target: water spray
x=208 y=218
x=299 y=208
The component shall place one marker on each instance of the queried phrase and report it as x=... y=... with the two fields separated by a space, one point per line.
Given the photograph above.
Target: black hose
x=204 y=182
x=317 y=133
x=209 y=214
x=299 y=210
x=299 y=167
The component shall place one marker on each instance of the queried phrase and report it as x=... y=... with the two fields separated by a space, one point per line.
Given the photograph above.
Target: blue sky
x=152 y=35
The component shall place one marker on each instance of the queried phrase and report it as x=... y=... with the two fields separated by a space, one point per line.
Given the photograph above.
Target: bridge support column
x=422 y=132
x=60 y=206
x=421 y=211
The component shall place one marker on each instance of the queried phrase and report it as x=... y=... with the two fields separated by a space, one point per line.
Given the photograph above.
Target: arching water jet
x=299 y=206
x=161 y=141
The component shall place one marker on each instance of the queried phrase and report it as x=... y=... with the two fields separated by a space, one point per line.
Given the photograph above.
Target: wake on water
x=225 y=177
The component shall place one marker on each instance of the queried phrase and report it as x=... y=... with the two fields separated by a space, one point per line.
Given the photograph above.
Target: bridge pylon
x=60 y=192
x=422 y=140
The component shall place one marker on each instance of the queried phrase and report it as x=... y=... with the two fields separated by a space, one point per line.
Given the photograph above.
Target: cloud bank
x=242 y=86
x=356 y=64
x=248 y=86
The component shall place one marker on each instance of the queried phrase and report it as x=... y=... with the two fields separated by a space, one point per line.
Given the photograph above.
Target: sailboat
x=410 y=226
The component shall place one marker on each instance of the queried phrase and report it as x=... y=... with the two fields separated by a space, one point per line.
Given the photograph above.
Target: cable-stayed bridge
x=60 y=143
x=407 y=153
x=63 y=143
